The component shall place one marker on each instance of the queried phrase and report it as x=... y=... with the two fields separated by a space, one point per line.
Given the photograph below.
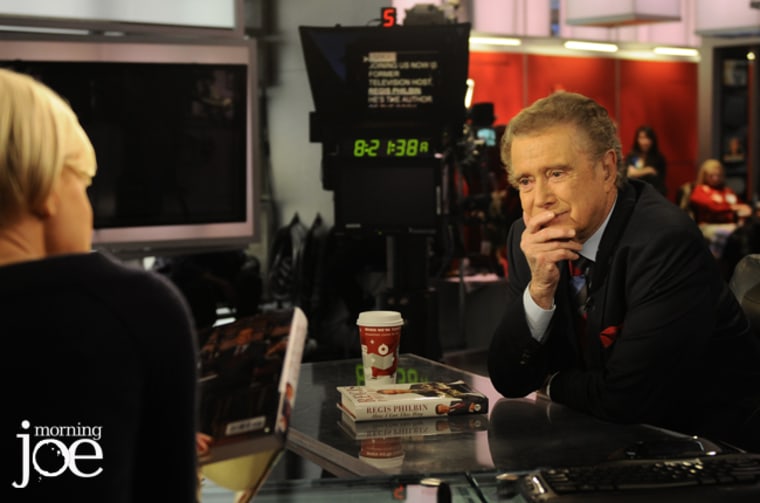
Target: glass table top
x=515 y=435
x=475 y=455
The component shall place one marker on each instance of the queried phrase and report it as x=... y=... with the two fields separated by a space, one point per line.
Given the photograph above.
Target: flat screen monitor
x=172 y=125
x=389 y=197
x=389 y=105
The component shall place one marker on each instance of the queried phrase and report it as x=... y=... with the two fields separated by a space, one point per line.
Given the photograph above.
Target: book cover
x=396 y=401
x=248 y=378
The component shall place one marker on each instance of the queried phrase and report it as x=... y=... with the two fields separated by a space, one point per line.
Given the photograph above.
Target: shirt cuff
x=537 y=317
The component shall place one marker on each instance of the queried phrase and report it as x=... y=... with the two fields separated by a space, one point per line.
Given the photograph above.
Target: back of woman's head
x=39 y=135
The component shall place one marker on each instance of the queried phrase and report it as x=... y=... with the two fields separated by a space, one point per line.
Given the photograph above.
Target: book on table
x=398 y=401
x=415 y=427
x=247 y=387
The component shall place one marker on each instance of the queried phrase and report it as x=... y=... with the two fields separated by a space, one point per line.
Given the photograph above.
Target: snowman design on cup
x=383 y=360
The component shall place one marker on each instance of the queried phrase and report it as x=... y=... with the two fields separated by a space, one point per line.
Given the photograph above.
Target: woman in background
x=712 y=201
x=100 y=358
x=715 y=207
x=645 y=161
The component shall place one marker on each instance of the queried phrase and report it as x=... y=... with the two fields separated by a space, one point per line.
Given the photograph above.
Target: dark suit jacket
x=667 y=343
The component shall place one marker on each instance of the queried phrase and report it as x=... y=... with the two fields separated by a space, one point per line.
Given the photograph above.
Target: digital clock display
x=390 y=147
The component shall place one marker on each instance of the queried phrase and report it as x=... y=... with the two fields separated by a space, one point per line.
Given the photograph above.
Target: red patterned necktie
x=580 y=271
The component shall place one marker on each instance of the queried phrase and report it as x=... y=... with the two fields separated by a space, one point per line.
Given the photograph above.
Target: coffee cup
x=380 y=336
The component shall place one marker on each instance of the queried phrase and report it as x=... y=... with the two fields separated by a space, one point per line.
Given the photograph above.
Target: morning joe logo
x=51 y=451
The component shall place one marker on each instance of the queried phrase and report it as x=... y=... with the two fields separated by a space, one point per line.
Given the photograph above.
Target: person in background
x=712 y=201
x=100 y=357
x=645 y=161
x=647 y=331
x=715 y=207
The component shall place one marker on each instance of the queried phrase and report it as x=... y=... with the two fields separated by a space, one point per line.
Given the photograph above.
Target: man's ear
x=609 y=165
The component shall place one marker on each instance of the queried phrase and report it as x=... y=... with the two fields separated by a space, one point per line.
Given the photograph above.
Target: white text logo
x=50 y=456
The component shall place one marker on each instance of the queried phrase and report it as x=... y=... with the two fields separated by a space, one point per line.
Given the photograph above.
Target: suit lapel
x=615 y=227
x=624 y=206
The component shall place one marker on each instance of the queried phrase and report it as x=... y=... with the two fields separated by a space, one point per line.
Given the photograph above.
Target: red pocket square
x=609 y=334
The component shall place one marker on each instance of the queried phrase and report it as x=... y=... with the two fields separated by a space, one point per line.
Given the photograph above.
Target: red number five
x=388 y=16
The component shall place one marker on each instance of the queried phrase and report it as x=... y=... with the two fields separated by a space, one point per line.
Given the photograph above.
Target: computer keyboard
x=739 y=469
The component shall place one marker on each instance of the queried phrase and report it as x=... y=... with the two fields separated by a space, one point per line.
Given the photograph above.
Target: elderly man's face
x=555 y=173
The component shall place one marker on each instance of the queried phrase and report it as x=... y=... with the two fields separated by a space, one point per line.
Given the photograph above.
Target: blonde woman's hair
x=39 y=135
x=707 y=166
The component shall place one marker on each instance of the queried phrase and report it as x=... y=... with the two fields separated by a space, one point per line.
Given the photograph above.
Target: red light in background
x=388 y=17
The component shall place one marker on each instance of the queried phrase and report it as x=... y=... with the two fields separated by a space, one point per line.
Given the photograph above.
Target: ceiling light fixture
x=676 y=51
x=495 y=41
x=590 y=46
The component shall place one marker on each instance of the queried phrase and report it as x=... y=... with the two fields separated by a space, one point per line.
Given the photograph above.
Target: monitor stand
x=408 y=291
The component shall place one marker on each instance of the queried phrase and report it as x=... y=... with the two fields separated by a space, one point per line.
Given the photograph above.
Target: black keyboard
x=741 y=469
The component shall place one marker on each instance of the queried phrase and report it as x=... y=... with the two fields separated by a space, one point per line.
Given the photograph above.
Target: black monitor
x=172 y=127
x=389 y=103
x=371 y=77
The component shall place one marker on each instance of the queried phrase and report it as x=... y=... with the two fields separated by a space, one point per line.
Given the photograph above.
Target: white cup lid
x=380 y=319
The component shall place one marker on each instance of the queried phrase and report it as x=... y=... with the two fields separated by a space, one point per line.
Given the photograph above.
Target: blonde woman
x=99 y=360
x=712 y=201
x=715 y=207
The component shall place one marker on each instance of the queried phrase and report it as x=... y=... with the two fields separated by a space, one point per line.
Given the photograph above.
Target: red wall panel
x=498 y=78
x=593 y=77
x=664 y=96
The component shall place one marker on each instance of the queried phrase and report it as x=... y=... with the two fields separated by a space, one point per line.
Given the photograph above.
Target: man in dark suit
x=658 y=338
